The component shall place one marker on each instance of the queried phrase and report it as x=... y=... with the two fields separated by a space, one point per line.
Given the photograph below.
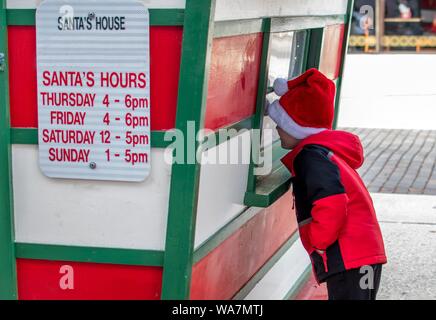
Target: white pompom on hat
x=280 y=86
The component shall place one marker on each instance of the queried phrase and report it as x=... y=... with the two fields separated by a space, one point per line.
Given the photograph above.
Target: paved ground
x=408 y=223
x=398 y=161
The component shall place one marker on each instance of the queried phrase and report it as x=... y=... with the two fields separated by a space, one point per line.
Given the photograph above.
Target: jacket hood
x=343 y=144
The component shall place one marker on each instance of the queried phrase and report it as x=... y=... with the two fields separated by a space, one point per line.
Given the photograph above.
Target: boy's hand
x=320 y=251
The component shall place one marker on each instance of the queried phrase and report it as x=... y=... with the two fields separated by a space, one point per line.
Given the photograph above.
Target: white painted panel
x=222 y=187
x=249 y=9
x=31 y=4
x=282 y=276
x=89 y=213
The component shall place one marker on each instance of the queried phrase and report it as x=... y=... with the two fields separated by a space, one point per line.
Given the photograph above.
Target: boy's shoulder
x=312 y=151
x=313 y=158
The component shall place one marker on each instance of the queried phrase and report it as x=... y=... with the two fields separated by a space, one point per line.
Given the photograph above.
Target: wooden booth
x=198 y=230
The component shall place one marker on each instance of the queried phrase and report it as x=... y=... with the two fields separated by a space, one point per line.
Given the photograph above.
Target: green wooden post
x=262 y=86
x=316 y=37
x=8 y=277
x=182 y=211
x=343 y=56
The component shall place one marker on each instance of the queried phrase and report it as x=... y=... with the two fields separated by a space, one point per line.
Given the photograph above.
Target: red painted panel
x=38 y=279
x=332 y=50
x=22 y=76
x=234 y=73
x=225 y=270
x=165 y=52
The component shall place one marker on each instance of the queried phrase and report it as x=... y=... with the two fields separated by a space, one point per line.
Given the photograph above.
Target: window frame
x=262 y=191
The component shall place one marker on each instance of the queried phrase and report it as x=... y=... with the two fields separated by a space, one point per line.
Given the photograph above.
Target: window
x=287 y=60
x=290 y=54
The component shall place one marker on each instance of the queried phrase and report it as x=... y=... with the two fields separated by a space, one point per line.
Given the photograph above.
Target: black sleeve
x=320 y=176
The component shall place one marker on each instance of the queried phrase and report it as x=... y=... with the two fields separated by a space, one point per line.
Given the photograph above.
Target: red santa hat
x=306 y=105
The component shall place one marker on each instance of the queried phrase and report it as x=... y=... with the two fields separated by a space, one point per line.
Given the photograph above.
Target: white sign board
x=93 y=89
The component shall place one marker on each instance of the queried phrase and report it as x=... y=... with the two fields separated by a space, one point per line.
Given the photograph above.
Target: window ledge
x=269 y=189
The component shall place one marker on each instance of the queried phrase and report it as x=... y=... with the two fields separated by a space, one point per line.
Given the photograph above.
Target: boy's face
x=288 y=141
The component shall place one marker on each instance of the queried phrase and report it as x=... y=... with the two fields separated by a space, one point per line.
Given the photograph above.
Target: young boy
x=337 y=222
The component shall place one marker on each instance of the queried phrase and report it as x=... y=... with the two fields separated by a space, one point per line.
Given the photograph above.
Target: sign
x=93 y=89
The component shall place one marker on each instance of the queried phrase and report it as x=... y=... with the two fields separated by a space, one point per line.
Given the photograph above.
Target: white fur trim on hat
x=284 y=121
x=280 y=86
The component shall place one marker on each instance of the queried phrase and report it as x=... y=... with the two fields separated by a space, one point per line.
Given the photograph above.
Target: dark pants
x=355 y=284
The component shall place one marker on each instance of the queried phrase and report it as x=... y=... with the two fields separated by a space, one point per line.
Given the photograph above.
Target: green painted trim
x=237 y=27
x=158 y=17
x=30 y=136
x=343 y=58
x=20 y=17
x=315 y=47
x=225 y=232
x=191 y=105
x=8 y=273
x=260 y=102
x=284 y=24
x=158 y=139
x=269 y=189
x=298 y=285
x=89 y=254
x=246 y=289
x=24 y=136
x=167 y=17
x=306 y=49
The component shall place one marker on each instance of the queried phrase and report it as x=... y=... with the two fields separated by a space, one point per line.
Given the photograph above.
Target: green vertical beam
x=343 y=56
x=182 y=211
x=315 y=46
x=8 y=277
x=260 y=101
x=306 y=49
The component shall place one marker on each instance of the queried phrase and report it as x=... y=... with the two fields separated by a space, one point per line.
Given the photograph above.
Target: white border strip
x=158 y=4
x=251 y=9
x=281 y=278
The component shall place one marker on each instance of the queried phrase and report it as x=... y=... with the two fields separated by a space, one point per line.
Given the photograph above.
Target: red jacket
x=334 y=210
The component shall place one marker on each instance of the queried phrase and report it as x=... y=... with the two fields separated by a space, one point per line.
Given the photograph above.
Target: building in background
x=393 y=25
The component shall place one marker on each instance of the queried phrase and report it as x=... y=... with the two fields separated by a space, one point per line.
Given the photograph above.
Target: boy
x=336 y=218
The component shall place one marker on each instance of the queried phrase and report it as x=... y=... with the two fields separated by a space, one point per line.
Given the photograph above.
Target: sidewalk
x=398 y=161
x=408 y=224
